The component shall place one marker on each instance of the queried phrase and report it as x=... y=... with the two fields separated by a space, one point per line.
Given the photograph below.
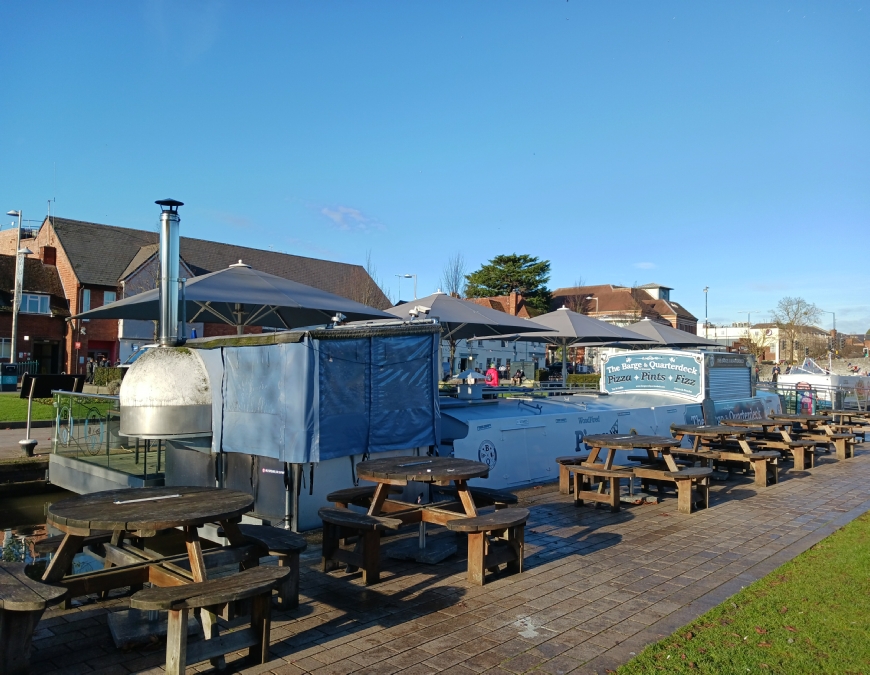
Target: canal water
x=22 y=525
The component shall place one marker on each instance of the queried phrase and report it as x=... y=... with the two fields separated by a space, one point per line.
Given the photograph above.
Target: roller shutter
x=729 y=383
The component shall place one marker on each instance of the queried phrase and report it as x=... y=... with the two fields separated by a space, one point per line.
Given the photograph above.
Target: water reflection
x=22 y=526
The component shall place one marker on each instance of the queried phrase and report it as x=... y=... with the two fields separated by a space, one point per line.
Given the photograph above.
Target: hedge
x=102 y=376
x=588 y=378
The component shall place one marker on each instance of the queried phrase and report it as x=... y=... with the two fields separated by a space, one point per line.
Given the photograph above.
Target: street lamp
x=408 y=276
x=834 y=340
x=706 y=320
x=592 y=297
x=16 y=297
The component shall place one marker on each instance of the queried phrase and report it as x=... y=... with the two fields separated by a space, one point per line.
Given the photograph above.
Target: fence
x=87 y=427
x=809 y=399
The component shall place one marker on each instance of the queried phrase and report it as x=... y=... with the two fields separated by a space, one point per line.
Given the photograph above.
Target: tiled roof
x=104 y=254
x=501 y=303
x=613 y=299
x=38 y=278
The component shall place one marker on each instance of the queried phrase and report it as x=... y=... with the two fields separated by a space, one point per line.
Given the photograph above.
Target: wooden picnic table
x=721 y=436
x=818 y=428
x=848 y=416
x=776 y=434
x=438 y=470
x=144 y=512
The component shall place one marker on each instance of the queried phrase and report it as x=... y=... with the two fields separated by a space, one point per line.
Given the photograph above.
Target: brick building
x=42 y=324
x=95 y=264
x=622 y=305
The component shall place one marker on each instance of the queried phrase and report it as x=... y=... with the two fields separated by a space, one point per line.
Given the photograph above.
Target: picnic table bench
x=213 y=596
x=22 y=602
x=731 y=445
x=284 y=545
x=482 y=496
x=493 y=539
x=340 y=524
x=564 y=474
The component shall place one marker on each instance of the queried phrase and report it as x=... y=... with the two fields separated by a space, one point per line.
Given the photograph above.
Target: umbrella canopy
x=567 y=328
x=663 y=334
x=241 y=296
x=461 y=320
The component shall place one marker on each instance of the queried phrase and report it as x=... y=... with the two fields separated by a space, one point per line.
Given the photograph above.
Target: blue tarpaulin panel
x=317 y=399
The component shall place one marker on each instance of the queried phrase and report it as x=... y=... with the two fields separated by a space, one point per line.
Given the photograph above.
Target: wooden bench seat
x=803 y=453
x=564 y=475
x=286 y=546
x=256 y=584
x=765 y=464
x=493 y=539
x=698 y=476
x=51 y=544
x=584 y=483
x=482 y=496
x=22 y=602
x=340 y=524
x=684 y=480
x=358 y=496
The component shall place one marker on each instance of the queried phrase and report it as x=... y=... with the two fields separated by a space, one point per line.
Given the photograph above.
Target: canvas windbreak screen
x=319 y=399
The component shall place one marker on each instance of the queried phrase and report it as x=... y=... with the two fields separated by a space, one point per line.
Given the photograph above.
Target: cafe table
x=818 y=428
x=142 y=512
x=399 y=471
x=721 y=436
x=774 y=434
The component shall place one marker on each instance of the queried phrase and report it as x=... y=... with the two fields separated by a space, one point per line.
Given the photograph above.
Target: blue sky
x=690 y=144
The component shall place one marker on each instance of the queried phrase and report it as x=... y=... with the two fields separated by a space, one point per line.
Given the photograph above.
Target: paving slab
x=597 y=588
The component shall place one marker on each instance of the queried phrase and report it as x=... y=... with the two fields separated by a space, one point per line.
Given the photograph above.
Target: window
x=35 y=304
x=86 y=299
x=109 y=296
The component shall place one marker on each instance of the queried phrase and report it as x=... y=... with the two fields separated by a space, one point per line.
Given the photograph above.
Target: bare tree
x=453 y=275
x=755 y=343
x=576 y=300
x=792 y=316
x=366 y=287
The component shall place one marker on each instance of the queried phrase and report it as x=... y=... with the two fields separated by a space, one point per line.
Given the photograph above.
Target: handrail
x=77 y=394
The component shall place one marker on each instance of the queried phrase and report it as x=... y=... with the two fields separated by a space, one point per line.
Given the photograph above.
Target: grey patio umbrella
x=241 y=296
x=462 y=320
x=568 y=328
x=662 y=334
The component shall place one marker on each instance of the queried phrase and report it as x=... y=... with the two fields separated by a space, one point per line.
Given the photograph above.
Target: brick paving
x=597 y=588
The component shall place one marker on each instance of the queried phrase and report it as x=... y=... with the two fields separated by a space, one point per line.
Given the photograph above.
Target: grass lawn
x=14 y=409
x=812 y=615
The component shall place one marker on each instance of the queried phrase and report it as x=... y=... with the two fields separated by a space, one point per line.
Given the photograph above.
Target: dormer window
x=35 y=304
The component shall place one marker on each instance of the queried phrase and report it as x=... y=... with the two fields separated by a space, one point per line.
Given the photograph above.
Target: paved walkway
x=597 y=588
x=9 y=438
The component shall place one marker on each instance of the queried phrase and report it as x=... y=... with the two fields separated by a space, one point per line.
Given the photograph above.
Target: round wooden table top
x=148 y=509
x=629 y=442
x=707 y=430
x=421 y=469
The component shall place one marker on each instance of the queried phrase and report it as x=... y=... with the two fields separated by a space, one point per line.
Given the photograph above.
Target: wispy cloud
x=348 y=219
x=645 y=265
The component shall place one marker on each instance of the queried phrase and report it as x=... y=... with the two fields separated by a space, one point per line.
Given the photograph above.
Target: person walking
x=774 y=374
x=89 y=371
x=492 y=375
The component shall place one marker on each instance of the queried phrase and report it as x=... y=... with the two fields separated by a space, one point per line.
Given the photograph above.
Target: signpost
x=664 y=372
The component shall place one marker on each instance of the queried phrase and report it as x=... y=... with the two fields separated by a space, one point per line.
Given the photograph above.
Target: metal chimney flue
x=169 y=256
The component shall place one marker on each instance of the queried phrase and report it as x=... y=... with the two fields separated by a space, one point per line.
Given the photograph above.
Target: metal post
x=169 y=256
x=706 y=319
x=16 y=298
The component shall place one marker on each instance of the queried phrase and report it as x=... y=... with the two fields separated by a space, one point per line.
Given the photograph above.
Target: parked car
x=556 y=369
x=135 y=355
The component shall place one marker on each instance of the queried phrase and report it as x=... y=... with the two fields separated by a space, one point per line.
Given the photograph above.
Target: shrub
x=587 y=379
x=102 y=376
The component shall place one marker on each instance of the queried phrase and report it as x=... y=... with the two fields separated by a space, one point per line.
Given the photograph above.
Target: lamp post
x=834 y=336
x=408 y=276
x=706 y=319
x=592 y=297
x=16 y=297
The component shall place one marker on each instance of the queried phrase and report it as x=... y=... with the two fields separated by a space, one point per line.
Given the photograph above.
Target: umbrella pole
x=565 y=363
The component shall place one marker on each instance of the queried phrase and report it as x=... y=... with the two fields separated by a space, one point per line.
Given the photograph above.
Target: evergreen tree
x=504 y=274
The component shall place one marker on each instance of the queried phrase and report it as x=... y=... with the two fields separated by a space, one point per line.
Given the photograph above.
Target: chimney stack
x=169 y=254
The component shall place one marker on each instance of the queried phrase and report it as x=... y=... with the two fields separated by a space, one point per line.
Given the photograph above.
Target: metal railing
x=809 y=399
x=22 y=367
x=87 y=428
